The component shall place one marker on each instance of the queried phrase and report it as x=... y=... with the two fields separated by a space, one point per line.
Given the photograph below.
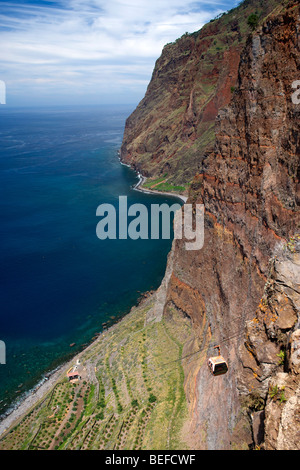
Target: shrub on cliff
x=253 y=21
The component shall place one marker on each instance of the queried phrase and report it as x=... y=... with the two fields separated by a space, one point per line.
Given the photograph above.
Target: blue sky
x=92 y=51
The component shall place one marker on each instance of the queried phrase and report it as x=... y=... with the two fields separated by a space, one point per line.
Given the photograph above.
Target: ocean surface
x=58 y=282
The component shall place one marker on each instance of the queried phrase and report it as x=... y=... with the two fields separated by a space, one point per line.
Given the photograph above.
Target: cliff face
x=250 y=189
x=249 y=186
x=270 y=356
x=172 y=129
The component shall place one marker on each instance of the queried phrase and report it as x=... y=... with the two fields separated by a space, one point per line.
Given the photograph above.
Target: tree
x=253 y=21
x=152 y=398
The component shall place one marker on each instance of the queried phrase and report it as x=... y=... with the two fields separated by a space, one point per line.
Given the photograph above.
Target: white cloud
x=109 y=44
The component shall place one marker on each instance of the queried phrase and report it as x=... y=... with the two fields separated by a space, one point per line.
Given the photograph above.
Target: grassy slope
x=127 y=399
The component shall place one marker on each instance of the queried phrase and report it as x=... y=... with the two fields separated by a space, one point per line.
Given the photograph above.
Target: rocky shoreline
x=143 y=179
x=32 y=397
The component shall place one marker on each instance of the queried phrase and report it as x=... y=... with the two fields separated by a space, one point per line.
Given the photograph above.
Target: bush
x=102 y=402
x=120 y=408
x=152 y=398
x=253 y=21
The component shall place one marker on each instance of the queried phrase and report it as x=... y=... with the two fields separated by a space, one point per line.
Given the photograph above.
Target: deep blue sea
x=58 y=281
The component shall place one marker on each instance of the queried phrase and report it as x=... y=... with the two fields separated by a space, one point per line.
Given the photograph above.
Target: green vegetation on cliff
x=126 y=398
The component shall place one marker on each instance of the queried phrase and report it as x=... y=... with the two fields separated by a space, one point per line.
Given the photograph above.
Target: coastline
x=38 y=393
x=143 y=179
x=31 y=398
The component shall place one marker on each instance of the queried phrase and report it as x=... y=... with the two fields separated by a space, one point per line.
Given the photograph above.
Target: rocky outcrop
x=269 y=382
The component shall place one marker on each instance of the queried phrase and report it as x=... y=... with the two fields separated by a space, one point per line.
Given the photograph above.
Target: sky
x=92 y=51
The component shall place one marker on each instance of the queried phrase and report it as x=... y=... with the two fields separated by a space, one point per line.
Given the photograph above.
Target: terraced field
x=127 y=397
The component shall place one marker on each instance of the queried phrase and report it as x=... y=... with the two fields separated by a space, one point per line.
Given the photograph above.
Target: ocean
x=59 y=282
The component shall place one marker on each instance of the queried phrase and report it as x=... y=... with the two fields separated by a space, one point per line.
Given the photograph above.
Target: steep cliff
x=250 y=189
x=249 y=186
x=172 y=129
x=146 y=384
x=269 y=382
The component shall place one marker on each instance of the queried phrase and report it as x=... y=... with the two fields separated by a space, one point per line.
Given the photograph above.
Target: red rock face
x=250 y=189
x=223 y=95
x=172 y=129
